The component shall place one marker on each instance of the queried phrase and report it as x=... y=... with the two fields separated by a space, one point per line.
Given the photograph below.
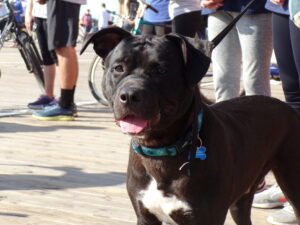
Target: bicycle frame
x=25 y=44
x=9 y=25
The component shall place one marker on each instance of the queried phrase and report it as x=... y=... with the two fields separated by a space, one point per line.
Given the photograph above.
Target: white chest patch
x=161 y=206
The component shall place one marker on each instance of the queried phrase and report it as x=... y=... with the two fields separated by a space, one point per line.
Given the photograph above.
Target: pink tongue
x=132 y=125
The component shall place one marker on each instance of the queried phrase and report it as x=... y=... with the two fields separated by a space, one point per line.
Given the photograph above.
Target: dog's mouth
x=135 y=125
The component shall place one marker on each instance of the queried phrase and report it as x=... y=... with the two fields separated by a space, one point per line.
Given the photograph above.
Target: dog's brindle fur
x=245 y=137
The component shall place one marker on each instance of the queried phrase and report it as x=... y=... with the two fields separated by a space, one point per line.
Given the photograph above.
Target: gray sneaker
x=269 y=198
x=284 y=216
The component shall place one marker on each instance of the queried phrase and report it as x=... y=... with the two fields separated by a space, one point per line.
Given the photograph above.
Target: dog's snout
x=130 y=96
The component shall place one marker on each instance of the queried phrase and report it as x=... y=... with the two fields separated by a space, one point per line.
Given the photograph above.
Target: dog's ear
x=196 y=56
x=105 y=40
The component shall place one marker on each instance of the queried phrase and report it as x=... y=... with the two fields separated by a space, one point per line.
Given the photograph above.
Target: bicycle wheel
x=95 y=80
x=31 y=57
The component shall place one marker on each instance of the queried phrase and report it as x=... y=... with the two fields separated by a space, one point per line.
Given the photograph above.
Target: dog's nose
x=129 y=96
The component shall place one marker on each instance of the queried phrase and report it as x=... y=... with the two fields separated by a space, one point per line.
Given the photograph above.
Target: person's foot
x=269 y=198
x=56 y=101
x=55 y=113
x=285 y=216
x=274 y=73
x=41 y=102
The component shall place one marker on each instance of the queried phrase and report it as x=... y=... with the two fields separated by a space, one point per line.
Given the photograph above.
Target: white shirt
x=39 y=10
x=178 y=7
x=103 y=19
x=82 y=2
x=24 y=5
x=3 y=10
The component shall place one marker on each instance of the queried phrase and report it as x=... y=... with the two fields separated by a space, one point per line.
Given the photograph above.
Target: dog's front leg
x=241 y=210
x=144 y=217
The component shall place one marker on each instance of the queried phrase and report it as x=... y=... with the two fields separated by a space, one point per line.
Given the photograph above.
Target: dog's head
x=149 y=81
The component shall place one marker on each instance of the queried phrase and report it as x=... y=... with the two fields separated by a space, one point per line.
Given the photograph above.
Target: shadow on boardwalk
x=72 y=178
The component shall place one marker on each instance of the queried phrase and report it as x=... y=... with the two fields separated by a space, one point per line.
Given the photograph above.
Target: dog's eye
x=119 y=68
x=161 y=70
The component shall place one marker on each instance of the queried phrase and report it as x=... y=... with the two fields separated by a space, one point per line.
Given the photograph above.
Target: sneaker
x=56 y=101
x=41 y=102
x=262 y=186
x=274 y=73
x=53 y=102
x=55 y=113
x=74 y=106
x=269 y=198
x=285 y=216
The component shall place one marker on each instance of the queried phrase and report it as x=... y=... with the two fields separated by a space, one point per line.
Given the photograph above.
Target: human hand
x=278 y=2
x=28 y=22
x=42 y=2
x=212 y=4
x=132 y=22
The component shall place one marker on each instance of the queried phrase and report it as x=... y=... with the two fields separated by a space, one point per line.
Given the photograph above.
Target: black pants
x=48 y=57
x=3 y=21
x=156 y=29
x=187 y=24
x=286 y=38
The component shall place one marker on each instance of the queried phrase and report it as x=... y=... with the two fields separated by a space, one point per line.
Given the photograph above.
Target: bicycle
x=24 y=43
x=96 y=68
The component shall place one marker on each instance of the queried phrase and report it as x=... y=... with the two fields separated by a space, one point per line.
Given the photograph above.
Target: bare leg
x=49 y=77
x=67 y=67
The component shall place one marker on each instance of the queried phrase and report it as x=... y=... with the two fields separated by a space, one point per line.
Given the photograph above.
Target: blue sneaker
x=41 y=102
x=274 y=71
x=55 y=113
x=56 y=101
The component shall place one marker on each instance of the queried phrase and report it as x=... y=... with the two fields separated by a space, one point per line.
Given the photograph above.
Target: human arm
x=212 y=4
x=126 y=8
x=278 y=2
x=100 y=21
x=42 y=2
x=28 y=15
x=18 y=8
x=82 y=20
x=127 y=11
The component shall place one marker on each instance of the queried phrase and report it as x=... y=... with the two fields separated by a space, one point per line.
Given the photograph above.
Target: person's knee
x=62 y=51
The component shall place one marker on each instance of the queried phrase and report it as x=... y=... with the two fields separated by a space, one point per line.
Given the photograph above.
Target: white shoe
x=269 y=198
x=285 y=216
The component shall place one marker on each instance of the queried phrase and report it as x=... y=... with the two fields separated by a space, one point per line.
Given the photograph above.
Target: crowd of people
x=267 y=25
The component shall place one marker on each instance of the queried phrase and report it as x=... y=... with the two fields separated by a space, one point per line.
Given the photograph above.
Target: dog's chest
x=162 y=206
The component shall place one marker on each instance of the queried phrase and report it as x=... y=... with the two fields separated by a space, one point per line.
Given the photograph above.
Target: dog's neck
x=177 y=130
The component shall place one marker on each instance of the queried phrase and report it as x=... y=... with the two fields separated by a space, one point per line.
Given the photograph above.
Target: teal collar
x=174 y=149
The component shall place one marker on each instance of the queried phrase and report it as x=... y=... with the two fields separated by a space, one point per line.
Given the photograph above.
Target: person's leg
x=187 y=24
x=286 y=48
x=49 y=78
x=160 y=29
x=255 y=34
x=68 y=71
x=147 y=29
x=63 y=16
x=48 y=60
x=226 y=57
x=295 y=37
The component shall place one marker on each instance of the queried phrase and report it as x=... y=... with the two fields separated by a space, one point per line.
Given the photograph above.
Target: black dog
x=189 y=162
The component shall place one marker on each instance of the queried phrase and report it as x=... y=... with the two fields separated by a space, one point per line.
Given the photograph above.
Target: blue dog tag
x=200 y=153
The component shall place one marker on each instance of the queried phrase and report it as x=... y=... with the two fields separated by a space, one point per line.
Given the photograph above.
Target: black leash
x=226 y=30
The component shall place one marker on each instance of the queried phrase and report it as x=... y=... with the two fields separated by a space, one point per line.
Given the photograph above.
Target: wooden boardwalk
x=65 y=173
